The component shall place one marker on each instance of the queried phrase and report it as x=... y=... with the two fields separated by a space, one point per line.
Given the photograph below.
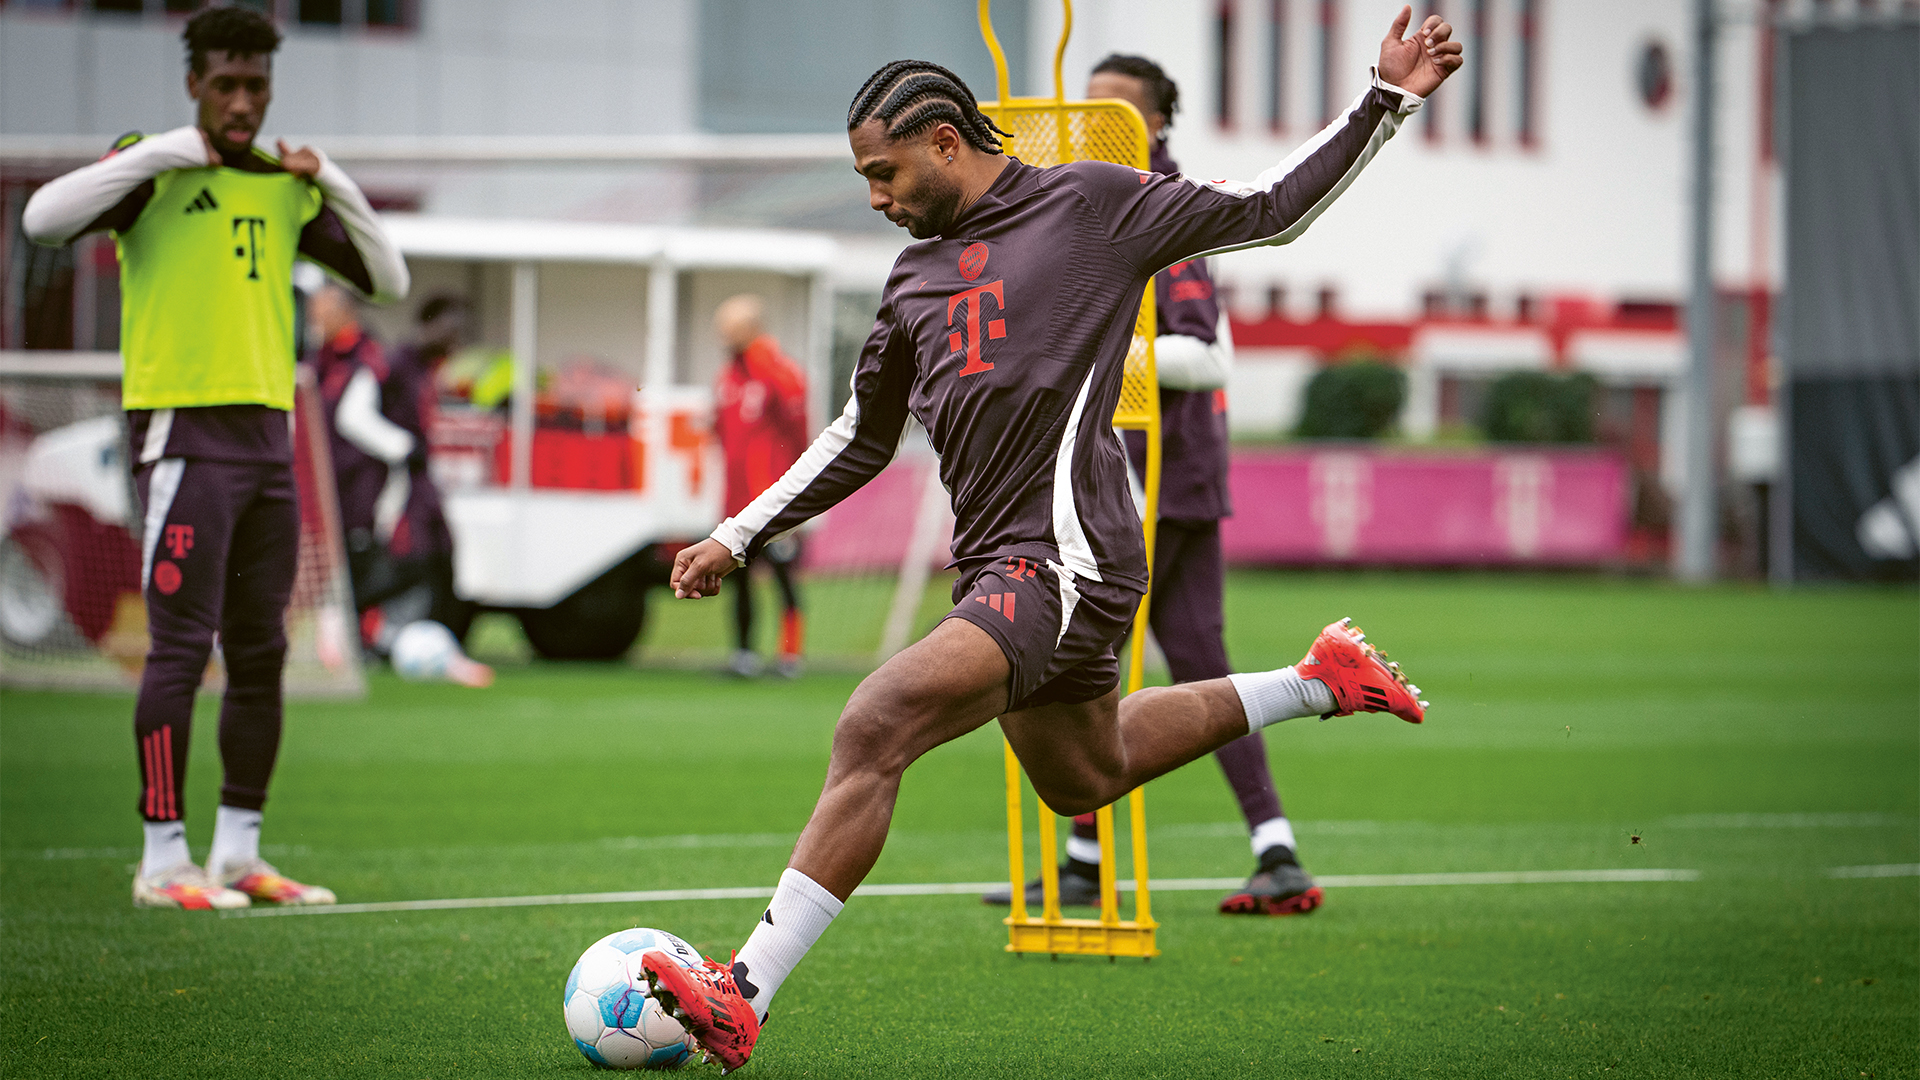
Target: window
x=1223 y=52
x=320 y=12
x=1527 y=60
x=384 y=14
x=788 y=67
x=1430 y=112
x=1477 y=72
x=1768 y=43
x=1277 y=65
x=388 y=13
x=1329 y=33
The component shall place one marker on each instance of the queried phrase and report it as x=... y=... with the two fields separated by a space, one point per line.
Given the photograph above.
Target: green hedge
x=1359 y=399
x=1532 y=406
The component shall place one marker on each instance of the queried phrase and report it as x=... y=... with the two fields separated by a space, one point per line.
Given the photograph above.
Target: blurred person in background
x=208 y=226
x=349 y=367
x=1193 y=353
x=399 y=552
x=760 y=416
x=409 y=399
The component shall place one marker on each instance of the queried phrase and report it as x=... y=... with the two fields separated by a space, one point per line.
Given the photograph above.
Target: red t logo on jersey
x=179 y=540
x=969 y=338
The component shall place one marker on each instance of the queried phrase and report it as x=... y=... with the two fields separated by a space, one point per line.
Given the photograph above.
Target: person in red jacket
x=760 y=415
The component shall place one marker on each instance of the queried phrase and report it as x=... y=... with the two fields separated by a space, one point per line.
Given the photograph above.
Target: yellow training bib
x=206 y=289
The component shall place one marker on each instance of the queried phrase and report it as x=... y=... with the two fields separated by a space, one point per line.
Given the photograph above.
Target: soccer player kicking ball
x=208 y=227
x=1005 y=333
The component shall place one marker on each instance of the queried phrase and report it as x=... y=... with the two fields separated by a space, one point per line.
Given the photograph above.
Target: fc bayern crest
x=973 y=260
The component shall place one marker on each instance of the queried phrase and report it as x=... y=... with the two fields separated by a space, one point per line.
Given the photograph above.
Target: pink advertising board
x=1361 y=505
x=1345 y=505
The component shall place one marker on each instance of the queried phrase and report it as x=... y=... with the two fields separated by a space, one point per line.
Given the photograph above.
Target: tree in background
x=1533 y=406
x=1353 y=399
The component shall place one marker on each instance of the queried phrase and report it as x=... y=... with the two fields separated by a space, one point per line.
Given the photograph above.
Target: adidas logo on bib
x=202 y=201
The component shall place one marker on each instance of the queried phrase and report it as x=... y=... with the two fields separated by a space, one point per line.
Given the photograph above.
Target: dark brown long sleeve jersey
x=1006 y=338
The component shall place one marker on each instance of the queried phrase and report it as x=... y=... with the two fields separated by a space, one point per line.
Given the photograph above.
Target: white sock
x=794 y=920
x=236 y=838
x=1272 y=833
x=166 y=847
x=1272 y=696
x=1083 y=850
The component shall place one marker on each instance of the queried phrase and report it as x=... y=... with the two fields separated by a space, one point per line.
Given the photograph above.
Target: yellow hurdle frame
x=1044 y=132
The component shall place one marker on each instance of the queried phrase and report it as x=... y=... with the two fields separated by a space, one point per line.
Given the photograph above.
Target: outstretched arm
x=850 y=452
x=1155 y=221
x=106 y=194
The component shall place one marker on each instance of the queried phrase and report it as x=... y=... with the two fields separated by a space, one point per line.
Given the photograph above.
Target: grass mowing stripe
x=1883 y=870
x=951 y=888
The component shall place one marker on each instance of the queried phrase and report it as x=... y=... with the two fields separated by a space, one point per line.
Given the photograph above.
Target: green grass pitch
x=1761 y=739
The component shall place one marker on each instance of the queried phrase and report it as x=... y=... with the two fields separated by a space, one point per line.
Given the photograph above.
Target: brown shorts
x=1059 y=631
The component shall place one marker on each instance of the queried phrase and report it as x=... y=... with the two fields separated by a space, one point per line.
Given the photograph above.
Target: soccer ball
x=612 y=1017
x=423 y=650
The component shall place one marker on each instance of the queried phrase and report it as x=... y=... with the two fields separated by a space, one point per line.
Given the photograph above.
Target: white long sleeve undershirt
x=359 y=421
x=67 y=204
x=1184 y=362
x=385 y=268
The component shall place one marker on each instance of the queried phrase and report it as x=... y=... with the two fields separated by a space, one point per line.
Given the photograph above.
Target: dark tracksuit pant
x=220 y=544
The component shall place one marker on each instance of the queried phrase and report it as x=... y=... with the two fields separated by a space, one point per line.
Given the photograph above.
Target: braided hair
x=912 y=96
x=233 y=30
x=1161 y=90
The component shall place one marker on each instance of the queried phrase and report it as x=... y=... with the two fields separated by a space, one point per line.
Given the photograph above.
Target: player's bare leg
x=1082 y=757
x=949 y=683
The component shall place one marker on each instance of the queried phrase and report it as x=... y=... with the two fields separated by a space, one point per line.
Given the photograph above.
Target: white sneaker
x=745 y=664
x=258 y=879
x=185 y=885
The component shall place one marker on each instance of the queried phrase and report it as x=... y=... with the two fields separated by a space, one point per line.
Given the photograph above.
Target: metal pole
x=1699 y=518
x=1780 y=494
x=525 y=337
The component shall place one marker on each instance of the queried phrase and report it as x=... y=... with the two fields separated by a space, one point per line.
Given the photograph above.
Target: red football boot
x=707 y=1003
x=1359 y=675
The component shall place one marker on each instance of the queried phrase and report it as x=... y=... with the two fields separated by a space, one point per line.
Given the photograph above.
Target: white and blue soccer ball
x=423 y=650
x=612 y=1017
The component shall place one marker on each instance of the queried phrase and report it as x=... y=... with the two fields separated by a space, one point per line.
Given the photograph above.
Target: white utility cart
x=566 y=518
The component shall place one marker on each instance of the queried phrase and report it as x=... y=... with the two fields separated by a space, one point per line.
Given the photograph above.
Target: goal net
x=71 y=612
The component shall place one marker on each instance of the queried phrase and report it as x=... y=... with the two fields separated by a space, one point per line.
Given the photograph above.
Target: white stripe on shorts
x=1069 y=599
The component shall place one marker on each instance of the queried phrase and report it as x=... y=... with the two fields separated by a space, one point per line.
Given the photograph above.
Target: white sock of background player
x=236 y=839
x=166 y=847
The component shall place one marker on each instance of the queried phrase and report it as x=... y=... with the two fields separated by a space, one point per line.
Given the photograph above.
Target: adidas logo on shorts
x=1000 y=602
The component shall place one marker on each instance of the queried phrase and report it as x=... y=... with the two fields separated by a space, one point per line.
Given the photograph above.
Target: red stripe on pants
x=153 y=772
x=173 y=805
